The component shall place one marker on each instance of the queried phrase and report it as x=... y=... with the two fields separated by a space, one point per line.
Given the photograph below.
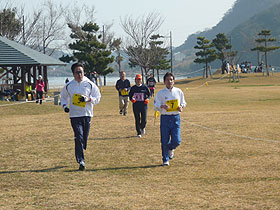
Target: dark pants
x=39 y=96
x=170 y=134
x=140 y=115
x=30 y=94
x=81 y=126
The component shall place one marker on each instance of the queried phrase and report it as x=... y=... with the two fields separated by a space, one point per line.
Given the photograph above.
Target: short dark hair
x=167 y=75
x=75 y=65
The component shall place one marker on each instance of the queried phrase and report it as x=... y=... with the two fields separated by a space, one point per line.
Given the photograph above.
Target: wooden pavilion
x=21 y=64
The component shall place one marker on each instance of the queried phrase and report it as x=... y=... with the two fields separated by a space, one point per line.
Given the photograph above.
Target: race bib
x=173 y=105
x=139 y=96
x=77 y=102
x=151 y=83
x=124 y=92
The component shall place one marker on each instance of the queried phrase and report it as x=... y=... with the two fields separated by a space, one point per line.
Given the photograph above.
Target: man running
x=123 y=87
x=81 y=95
x=169 y=102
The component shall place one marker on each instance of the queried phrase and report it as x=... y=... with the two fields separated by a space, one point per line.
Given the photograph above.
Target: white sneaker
x=82 y=166
x=143 y=131
x=166 y=163
x=171 y=153
x=139 y=136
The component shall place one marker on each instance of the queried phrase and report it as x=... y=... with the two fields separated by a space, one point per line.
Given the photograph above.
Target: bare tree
x=139 y=31
x=44 y=29
x=51 y=28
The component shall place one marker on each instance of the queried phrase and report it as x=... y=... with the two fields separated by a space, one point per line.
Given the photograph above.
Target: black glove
x=66 y=109
x=84 y=98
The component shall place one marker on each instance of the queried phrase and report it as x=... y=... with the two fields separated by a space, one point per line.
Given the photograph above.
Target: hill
x=243 y=36
x=241 y=11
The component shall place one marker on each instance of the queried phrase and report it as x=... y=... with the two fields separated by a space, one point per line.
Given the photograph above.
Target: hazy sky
x=182 y=17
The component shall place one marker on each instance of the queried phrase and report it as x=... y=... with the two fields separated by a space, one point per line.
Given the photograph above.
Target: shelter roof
x=13 y=53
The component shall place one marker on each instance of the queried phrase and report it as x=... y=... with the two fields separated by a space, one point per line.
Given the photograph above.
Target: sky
x=181 y=17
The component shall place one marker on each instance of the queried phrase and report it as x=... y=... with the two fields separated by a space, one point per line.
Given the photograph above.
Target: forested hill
x=243 y=36
x=241 y=11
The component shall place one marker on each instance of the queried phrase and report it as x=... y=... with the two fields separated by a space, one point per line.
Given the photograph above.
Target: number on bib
x=77 y=102
x=173 y=105
x=124 y=92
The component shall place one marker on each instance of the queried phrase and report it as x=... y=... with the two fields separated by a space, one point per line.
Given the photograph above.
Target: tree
x=50 y=28
x=10 y=26
x=222 y=44
x=206 y=54
x=139 y=31
x=265 y=34
x=89 y=49
x=116 y=45
x=158 y=54
x=43 y=30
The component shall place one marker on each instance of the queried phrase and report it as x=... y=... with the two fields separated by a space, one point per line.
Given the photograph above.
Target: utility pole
x=23 y=31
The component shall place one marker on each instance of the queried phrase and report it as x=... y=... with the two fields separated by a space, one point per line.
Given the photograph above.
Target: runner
x=81 y=94
x=151 y=84
x=123 y=87
x=139 y=96
x=170 y=102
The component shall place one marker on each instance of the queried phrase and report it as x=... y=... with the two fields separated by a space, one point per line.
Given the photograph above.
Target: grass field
x=228 y=159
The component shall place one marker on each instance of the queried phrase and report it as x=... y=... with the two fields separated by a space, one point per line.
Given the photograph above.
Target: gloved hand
x=146 y=101
x=133 y=100
x=84 y=98
x=66 y=109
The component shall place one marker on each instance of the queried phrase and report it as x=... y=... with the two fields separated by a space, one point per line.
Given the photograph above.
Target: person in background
x=39 y=89
x=151 y=84
x=123 y=88
x=67 y=80
x=28 y=90
x=93 y=78
x=78 y=98
x=170 y=102
x=139 y=95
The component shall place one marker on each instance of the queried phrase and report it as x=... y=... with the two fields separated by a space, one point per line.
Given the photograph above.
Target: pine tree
x=265 y=34
x=89 y=49
x=206 y=54
x=158 y=55
x=10 y=26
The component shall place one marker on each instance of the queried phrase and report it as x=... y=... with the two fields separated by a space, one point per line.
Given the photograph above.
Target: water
x=59 y=82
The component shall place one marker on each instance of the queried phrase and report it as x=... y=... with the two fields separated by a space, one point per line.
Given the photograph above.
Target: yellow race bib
x=173 y=105
x=124 y=92
x=77 y=102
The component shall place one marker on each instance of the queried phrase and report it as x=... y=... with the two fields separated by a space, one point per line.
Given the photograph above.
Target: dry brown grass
x=211 y=170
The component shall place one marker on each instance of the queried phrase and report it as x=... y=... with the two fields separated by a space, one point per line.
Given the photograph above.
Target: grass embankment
x=228 y=159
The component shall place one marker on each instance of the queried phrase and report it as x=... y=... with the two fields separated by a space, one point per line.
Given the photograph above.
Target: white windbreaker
x=174 y=97
x=74 y=89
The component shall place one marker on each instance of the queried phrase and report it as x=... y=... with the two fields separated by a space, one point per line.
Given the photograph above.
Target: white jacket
x=172 y=97
x=74 y=89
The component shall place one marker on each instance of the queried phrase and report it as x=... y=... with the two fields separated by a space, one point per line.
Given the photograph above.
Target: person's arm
x=117 y=86
x=148 y=93
x=183 y=103
x=131 y=92
x=157 y=102
x=128 y=86
x=64 y=98
x=95 y=95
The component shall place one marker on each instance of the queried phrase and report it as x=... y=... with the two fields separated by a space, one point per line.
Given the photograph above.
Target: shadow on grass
x=111 y=138
x=116 y=168
x=35 y=170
